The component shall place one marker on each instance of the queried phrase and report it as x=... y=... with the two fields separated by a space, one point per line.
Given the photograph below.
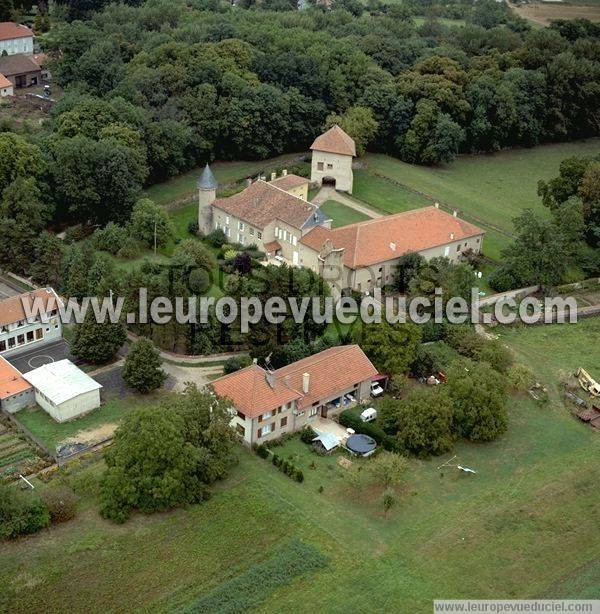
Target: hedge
x=350 y=420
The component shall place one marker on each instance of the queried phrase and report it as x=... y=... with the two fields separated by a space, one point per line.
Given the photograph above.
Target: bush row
x=288 y=468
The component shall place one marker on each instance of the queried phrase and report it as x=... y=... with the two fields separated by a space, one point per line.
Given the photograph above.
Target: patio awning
x=272 y=247
x=328 y=440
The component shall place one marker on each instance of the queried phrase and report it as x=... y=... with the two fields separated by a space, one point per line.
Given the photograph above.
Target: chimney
x=255 y=361
x=305 y=382
x=436 y=205
x=273 y=176
x=284 y=173
x=455 y=213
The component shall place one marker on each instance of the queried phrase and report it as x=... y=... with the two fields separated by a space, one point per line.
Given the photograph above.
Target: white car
x=376 y=389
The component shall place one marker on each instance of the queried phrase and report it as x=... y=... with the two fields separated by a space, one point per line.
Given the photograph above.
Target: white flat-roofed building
x=64 y=390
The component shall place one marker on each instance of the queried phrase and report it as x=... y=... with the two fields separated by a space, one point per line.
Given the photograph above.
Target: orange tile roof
x=251 y=393
x=287 y=182
x=385 y=238
x=262 y=203
x=331 y=372
x=12 y=310
x=4 y=82
x=10 y=31
x=273 y=246
x=335 y=140
x=11 y=380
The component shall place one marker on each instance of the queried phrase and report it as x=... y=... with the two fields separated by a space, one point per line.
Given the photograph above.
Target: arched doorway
x=328 y=182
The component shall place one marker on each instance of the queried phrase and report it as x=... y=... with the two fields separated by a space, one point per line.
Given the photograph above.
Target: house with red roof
x=332 y=155
x=15 y=392
x=15 y=38
x=269 y=404
x=6 y=87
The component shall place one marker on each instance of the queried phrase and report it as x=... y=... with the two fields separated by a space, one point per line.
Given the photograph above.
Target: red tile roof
x=12 y=310
x=287 y=182
x=262 y=203
x=10 y=31
x=273 y=246
x=11 y=380
x=4 y=82
x=331 y=372
x=385 y=238
x=335 y=140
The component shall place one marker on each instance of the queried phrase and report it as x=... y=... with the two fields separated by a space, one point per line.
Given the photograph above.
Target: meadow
x=524 y=526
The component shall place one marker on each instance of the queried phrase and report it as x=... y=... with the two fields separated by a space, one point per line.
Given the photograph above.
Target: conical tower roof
x=207 y=180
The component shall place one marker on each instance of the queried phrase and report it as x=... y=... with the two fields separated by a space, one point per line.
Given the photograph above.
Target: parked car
x=376 y=389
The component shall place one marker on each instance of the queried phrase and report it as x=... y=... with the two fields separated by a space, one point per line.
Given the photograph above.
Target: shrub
x=193 y=228
x=111 y=238
x=307 y=434
x=216 y=238
x=276 y=460
x=235 y=363
x=130 y=248
x=262 y=450
x=61 y=504
x=299 y=476
x=21 y=513
x=520 y=377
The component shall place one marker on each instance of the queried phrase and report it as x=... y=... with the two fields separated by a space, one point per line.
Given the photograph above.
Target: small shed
x=64 y=390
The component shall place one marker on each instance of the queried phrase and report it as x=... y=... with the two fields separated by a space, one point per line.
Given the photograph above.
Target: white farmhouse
x=332 y=154
x=6 y=87
x=15 y=38
x=64 y=390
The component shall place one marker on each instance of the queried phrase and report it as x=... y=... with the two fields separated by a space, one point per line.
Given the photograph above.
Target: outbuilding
x=15 y=392
x=64 y=390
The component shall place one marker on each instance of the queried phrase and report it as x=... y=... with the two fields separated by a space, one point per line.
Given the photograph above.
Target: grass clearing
x=42 y=425
x=494 y=188
x=492 y=535
x=184 y=186
x=342 y=215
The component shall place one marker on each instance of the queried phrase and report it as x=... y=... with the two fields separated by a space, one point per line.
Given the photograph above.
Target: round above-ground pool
x=361 y=445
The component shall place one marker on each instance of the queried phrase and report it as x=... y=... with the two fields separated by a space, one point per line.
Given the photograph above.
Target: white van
x=369 y=414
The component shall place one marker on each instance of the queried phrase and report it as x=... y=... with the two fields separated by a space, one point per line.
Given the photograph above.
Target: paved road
x=325 y=194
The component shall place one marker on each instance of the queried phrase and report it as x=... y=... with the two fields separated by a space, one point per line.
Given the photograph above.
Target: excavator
x=588 y=383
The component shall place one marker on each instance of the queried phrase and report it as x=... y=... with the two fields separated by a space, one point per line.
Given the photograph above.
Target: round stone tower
x=207 y=194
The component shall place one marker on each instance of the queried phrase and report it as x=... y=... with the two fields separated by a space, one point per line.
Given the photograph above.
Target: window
x=241 y=239
x=20 y=339
x=267 y=415
x=251 y=231
x=265 y=430
x=319 y=166
x=2 y=346
x=259 y=235
x=241 y=415
x=277 y=232
x=240 y=429
x=329 y=166
x=30 y=336
x=11 y=342
x=227 y=219
x=284 y=422
x=294 y=240
x=241 y=225
x=313 y=412
x=39 y=333
x=458 y=247
x=285 y=235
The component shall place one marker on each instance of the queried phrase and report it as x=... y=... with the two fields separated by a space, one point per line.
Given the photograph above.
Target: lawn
x=525 y=526
x=184 y=186
x=342 y=215
x=493 y=188
x=52 y=433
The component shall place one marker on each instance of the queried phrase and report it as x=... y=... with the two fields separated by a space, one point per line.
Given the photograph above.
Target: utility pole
x=154 y=236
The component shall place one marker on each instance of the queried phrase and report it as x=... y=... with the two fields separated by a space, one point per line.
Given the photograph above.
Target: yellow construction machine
x=588 y=383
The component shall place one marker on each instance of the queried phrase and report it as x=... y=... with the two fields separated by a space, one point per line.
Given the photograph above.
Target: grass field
x=493 y=187
x=342 y=215
x=525 y=526
x=184 y=185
